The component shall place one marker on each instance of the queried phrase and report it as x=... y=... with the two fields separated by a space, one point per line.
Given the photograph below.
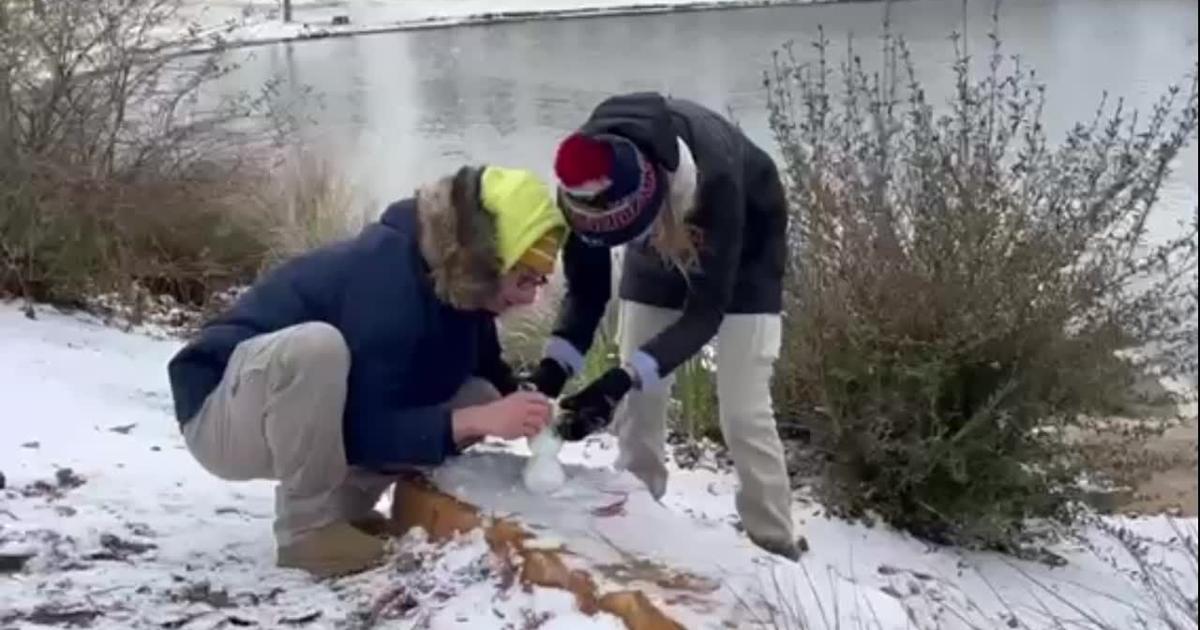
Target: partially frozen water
x=399 y=109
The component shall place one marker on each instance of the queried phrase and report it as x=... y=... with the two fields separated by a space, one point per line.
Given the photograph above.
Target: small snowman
x=543 y=472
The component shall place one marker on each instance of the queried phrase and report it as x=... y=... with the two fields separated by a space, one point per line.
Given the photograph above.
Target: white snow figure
x=543 y=472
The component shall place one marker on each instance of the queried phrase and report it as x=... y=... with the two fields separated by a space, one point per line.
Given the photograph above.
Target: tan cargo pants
x=747 y=348
x=277 y=414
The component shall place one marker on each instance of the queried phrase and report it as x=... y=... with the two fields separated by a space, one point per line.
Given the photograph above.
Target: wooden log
x=417 y=503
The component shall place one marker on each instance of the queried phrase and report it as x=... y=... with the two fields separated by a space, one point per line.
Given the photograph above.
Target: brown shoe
x=334 y=550
x=373 y=524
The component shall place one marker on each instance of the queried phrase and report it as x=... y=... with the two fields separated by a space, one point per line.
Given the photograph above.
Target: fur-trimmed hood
x=458 y=240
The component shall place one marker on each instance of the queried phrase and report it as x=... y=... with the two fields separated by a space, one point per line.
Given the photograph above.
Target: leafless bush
x=309 y=204
x=120 y=171
x=1162 y=574
x=1159 y=574
x=964 y=293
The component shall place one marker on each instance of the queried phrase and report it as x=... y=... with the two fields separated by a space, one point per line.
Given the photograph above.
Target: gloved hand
x=503 y=379
x=592 y=409
x=549 y=378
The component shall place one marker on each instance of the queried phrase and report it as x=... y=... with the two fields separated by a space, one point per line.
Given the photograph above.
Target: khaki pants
x=277 y=414
x=747 y=348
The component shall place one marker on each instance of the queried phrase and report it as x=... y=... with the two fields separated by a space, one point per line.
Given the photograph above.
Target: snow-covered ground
x=260 y=21
x=126 y=531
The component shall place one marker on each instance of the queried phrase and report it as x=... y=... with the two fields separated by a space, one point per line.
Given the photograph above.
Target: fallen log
x=417 y=503
x=617 y=549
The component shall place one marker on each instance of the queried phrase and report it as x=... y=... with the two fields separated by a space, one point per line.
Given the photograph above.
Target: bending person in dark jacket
x=368 y=355
x=701 y=213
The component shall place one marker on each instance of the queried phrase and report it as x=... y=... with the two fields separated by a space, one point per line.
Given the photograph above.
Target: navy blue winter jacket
x=410 y=352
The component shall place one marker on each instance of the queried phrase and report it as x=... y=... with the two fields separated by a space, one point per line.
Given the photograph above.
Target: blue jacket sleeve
x=385 y=438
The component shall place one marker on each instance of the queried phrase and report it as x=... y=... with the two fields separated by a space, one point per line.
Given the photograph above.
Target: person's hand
x=592 y=409
x=549 y=377
x=517 y=415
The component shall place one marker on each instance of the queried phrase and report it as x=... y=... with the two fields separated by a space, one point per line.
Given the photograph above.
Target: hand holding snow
x=543 y=472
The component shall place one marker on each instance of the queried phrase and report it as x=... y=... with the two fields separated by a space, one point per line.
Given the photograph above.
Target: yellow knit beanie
x=530 y=229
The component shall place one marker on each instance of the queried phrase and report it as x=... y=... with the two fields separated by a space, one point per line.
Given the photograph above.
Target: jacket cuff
x=504 y=382
x=449 y=447
x=566 y=354
x=646 y=368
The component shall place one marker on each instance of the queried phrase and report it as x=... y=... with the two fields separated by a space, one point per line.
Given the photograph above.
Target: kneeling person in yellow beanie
x=352 y=361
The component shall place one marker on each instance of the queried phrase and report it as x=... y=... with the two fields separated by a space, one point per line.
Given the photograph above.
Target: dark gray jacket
x=740 y=210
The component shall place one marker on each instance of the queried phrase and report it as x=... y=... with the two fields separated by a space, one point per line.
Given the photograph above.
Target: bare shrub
x=963 y=292
x=119 y=171
x=1157 y=576
x=1161 y=574
x=271 y=211
x=309 y=203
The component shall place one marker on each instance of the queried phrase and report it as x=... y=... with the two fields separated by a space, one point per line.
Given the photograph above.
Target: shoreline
x=304 y=31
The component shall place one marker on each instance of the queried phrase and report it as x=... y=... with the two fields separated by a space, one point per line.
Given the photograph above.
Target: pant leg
x=641 y=420
x=277 y=414
x=227 y=436
x=747 y=348
x=362 y=489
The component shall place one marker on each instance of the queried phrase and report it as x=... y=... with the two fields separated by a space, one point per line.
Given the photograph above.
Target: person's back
x=371 y=289
x=724 y=161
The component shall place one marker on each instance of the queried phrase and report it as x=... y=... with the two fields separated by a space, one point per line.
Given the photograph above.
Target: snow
x=135 y=534
x=260 y=21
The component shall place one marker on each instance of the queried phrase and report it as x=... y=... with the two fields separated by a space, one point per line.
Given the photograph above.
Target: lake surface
x=399 y=109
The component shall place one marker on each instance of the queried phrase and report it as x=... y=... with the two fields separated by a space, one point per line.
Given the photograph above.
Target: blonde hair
x=675 y=240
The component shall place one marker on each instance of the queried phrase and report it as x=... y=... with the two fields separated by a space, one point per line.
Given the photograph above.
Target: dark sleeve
x=491 y=365
x=720 y=215
x=588 y=272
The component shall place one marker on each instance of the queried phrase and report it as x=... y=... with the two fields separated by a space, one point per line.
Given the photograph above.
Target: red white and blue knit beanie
x=610 y=192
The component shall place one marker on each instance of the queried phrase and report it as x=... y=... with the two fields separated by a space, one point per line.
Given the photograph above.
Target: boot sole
x=333 y=568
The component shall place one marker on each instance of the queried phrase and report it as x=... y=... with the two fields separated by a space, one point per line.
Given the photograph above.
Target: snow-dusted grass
x=138 y=535
x=260 y=21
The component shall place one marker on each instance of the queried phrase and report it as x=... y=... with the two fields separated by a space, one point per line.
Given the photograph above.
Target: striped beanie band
x=609 y=190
